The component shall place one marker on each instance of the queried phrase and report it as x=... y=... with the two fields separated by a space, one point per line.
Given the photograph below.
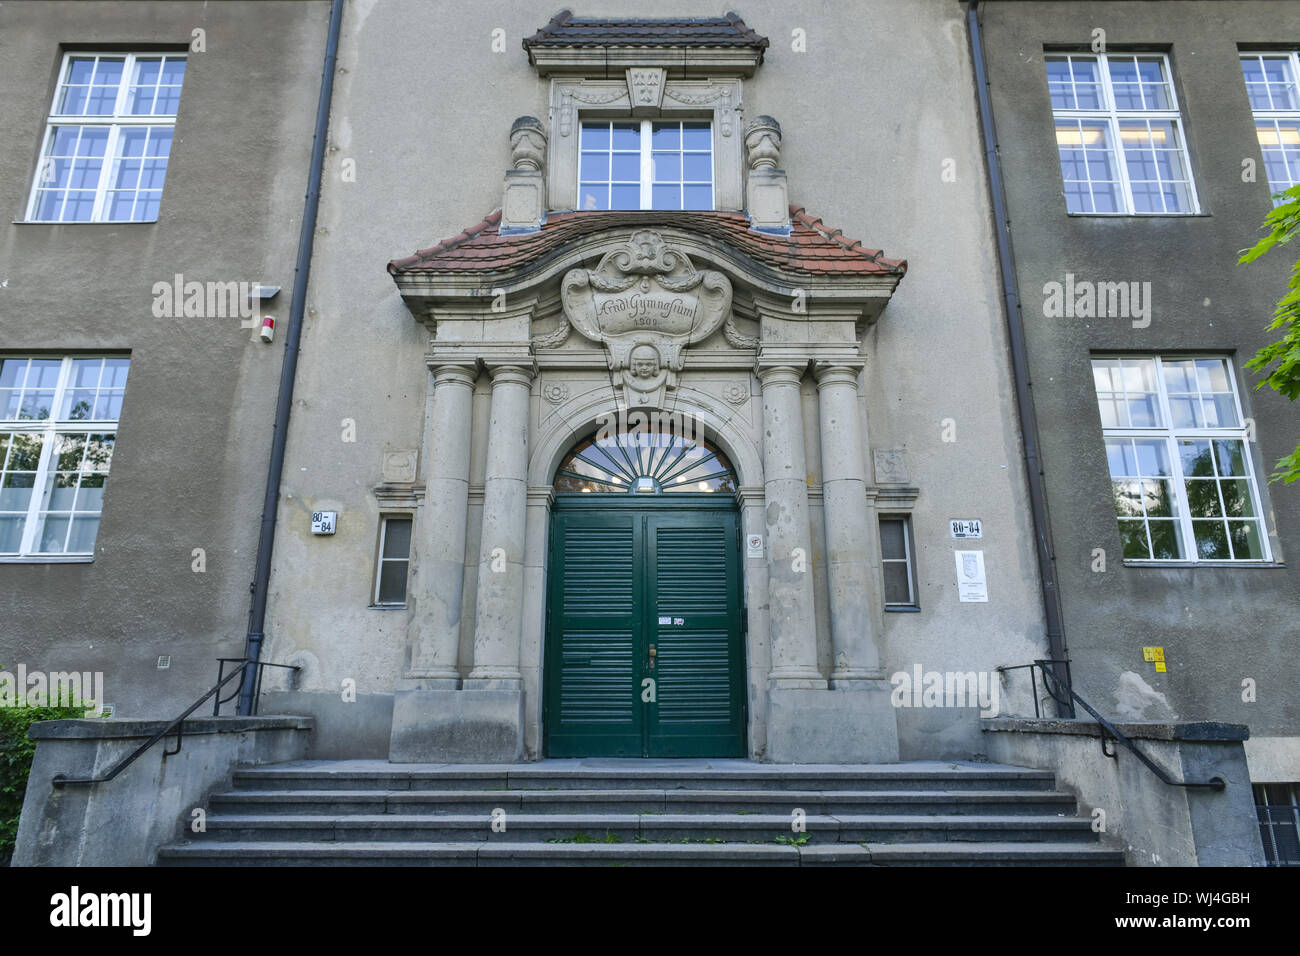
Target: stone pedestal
x=832 y=726
x=457 y=726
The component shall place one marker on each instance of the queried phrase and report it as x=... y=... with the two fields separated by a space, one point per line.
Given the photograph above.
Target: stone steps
x=643 y=801
x=636 y=854
x=633 y=813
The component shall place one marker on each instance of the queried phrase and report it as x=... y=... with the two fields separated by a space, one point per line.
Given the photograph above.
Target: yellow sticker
x=1148 y=653
x=1160 y=667
x=1160 y=654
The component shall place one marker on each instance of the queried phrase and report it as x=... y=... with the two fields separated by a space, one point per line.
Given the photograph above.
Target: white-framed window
x=645 y=164
x=58 y=427
x=394 y=560
x=1120 y=135
x=1181 y=474
x=108 y=138
x=898 y=563
x=1278 y=808
x=1275 y=103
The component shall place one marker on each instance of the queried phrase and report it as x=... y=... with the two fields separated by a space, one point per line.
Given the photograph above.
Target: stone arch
x=576 y=419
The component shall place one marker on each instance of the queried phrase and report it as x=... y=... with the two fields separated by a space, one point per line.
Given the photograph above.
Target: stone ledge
x=112 y=728
x=1206 y=730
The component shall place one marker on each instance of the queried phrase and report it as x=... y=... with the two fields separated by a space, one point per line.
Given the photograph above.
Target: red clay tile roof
x=725 y=31
x=812 y=248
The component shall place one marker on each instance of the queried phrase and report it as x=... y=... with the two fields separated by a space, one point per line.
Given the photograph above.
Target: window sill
x=84 y=222
x=1138 y=215
x=47 y=559
x=903 y=609
x=1135 y=563
x=387 y=607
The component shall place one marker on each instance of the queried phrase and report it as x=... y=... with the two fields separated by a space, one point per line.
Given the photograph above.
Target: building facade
x=151 y=174
x=1126 y=216
x=656 y=248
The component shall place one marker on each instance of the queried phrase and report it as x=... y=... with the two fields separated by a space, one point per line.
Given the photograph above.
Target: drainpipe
x=1020 y=368
x=289 y=368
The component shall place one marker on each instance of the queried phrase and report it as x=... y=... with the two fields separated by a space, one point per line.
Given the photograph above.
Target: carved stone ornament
x=645 y=302
x=556 y=392
x=736 y=393
x=645 y=87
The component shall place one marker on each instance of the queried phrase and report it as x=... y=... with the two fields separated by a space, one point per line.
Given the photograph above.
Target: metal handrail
x=1108 y=729
x=177 y=725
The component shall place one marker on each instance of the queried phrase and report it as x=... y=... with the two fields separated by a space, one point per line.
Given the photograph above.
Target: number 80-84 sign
x=324 y=522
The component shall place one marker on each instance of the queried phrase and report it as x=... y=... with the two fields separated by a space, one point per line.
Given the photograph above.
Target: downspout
x=1020 y=368
x=289 y=368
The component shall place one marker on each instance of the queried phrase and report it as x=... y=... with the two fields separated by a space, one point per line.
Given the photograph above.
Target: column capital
x=779 y=375
x=453 y=374
x=512 y=374
x=836 y=373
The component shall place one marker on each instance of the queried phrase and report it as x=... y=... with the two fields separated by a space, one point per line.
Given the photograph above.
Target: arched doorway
x=644 y=651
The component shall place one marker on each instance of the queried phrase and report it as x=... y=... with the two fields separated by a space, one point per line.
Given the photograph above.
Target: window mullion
x=50 y=433
x=647 y=167
x=105 y=174
x=1121 y=164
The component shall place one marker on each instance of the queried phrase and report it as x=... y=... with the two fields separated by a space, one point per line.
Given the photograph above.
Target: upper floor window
x=1275 y=102
x=1180 y=466
x=645 y=164
x=1119 y=133
x=108 y=138
x=58 y=426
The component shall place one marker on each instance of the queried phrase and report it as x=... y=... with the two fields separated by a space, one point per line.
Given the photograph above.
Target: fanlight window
x=644 y=461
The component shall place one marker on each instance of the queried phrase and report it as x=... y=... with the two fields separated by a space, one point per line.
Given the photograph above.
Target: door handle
x=653 y=652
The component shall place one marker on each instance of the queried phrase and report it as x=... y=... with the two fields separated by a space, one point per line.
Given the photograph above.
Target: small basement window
x=394 y=561
x=898 y=563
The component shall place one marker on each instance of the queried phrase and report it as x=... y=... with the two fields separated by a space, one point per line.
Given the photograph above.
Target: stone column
x=847 y=529
x=498 y=626
x=789 y=550
x=434 y=632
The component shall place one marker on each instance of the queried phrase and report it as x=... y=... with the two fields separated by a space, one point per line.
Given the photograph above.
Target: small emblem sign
x=754 y=546
x=968 y=528
x=324 y=522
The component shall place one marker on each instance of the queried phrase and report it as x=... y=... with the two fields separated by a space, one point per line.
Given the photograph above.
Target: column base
x=827 y=726
x=457 y=726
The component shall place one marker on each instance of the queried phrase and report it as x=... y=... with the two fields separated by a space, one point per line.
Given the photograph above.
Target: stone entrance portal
x=753 y=339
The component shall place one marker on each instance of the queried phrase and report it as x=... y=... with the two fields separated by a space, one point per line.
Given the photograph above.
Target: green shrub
x=16 y=753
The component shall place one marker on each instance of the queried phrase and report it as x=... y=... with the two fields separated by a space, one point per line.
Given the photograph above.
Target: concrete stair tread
x=609 y=819
x=736 y=853
x=685 y=796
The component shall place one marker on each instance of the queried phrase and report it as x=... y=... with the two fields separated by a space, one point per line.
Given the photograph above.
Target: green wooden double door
x=645 y=630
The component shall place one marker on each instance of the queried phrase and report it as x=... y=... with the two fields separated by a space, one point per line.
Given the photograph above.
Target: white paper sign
x=754 y=546
x=324 y=522
x=968 y=528
x=971 y=583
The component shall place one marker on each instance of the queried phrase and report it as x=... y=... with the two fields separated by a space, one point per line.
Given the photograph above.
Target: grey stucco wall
x=1218 y=625
x=190 y=460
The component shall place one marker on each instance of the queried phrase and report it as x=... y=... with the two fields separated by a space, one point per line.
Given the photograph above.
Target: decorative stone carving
x=736 y=393
x=556 y=392
x=766 y=191
x=524 y=204
x=646 y=302
x=399 y=466
x=736 y=338
x=763 y=143
x=645 y=88
x=527 y=143
x=891 y=466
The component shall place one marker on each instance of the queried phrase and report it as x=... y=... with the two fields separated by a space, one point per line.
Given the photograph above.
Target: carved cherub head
x=644 y=361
